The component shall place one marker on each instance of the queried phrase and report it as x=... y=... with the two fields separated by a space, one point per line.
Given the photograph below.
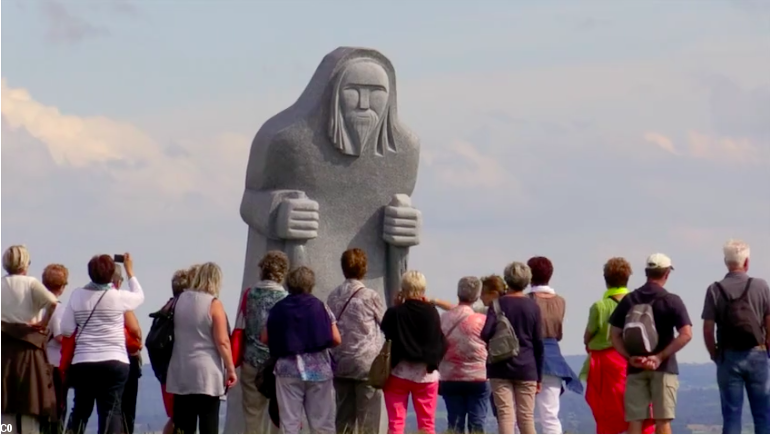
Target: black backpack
x=739 y=327
x=160 y=339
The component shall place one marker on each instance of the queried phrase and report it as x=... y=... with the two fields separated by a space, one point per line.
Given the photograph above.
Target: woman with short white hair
x=27 y=378
x=201 y=367
x=418 y=345
x=24 y=297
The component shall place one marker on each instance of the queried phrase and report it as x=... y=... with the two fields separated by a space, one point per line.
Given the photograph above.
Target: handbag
x=380 y=370
x=238 y=335
x=160 y=339
x=68 y=343
x=265 y=382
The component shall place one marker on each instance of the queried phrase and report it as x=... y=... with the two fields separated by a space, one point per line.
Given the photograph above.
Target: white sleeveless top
x=196 y=366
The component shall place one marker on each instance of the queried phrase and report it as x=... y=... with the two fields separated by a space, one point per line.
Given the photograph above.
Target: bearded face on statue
x=360 y=109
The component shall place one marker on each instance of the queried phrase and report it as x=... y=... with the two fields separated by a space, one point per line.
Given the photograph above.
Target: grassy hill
x=698 y=407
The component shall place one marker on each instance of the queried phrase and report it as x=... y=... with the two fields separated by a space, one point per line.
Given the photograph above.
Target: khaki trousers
x=515 y=403
x=255 y=405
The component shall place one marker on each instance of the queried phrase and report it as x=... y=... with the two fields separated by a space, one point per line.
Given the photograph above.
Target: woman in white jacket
x=100 y=366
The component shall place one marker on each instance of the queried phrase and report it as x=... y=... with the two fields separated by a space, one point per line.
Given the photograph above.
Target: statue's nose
x=363 y=99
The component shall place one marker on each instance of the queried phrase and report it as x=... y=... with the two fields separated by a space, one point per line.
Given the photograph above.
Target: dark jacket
x=298 y=324
x=414 y=329
x=525 y=318
x=27 y=378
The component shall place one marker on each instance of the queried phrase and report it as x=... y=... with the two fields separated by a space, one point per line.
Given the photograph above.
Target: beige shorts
x=656 y=388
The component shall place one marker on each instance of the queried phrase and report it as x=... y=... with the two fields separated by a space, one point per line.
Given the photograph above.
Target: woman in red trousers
x=605 y=369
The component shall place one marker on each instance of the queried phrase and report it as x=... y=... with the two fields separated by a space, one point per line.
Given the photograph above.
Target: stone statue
x=334 y=171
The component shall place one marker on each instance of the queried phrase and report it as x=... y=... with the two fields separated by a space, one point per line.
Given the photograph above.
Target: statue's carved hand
x=402 y=226
x=297 y=219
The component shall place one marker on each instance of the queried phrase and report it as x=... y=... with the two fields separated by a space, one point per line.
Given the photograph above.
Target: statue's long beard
x=360 y=127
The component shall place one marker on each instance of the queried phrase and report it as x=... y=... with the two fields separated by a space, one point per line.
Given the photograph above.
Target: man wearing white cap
x=644 y=330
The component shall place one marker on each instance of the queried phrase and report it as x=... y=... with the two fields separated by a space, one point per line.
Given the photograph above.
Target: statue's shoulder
x=289 y=136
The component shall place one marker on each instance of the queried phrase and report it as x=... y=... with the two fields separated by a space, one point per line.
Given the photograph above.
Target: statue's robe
x=292 y=151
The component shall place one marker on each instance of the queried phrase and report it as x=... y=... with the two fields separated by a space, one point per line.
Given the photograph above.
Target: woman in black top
x=417 y=346
x=516 y=381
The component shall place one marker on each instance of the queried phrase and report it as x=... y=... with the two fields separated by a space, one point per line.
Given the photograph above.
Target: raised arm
x=133 y=298
x=444 y=305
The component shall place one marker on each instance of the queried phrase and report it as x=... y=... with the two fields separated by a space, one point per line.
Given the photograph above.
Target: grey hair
x=117 y=276
x=16 y=259
x=736 y=252
x=300 y=280
x=469 y=289
x=517 y=275
x=180 y=281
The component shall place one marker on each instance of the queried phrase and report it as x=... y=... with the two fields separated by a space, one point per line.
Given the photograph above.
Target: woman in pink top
x=463 y=370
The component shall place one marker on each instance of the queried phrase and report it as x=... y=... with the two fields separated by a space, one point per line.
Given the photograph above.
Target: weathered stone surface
x=334 y=171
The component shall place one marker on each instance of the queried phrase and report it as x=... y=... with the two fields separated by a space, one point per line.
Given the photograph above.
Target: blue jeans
x=749 y=369
x=465 y=400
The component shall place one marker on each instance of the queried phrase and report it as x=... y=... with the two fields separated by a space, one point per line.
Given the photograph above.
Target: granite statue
x=334 y=171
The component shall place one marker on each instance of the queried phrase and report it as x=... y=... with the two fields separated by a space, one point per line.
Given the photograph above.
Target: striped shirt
x=103 y=339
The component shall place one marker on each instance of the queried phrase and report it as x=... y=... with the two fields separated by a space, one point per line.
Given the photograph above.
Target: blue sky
x=579 y=130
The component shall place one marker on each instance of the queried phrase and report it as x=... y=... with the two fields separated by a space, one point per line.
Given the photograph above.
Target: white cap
x=659 y=261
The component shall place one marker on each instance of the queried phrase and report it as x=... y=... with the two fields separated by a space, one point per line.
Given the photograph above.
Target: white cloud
x=727 y=150
x=142 y=170
x=73 y=140
x=662 y=141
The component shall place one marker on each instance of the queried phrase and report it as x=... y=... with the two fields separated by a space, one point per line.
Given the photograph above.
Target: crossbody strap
x=746 y=290
x=80 y=331
x=451 y=330
x=726 y=297
x=344 y=307
x=723 y=292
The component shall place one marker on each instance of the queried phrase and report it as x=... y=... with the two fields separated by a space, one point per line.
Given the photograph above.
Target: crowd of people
x=333 y=364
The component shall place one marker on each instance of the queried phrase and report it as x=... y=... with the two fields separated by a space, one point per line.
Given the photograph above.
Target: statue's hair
x=337 y=131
